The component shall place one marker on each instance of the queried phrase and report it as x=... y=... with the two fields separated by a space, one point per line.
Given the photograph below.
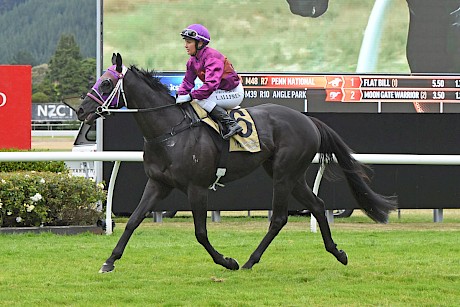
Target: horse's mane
x=151 y=78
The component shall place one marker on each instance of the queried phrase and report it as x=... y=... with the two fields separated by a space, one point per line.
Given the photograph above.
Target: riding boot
x=220 y=115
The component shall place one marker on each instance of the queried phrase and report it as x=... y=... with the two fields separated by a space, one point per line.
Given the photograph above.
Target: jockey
x=221 y=87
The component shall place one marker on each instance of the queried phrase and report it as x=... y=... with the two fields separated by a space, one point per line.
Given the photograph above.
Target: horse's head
x=105 y=93
x=308 y=8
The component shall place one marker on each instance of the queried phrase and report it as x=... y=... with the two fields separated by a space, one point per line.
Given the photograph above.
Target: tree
x=88 y=72
x=64 y=64
x=24 y=58
x=6 y=5
x=40 y=97
x=68 y=73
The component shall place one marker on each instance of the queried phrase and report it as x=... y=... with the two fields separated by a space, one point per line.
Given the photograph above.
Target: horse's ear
x=114 y=57
x=119 y=63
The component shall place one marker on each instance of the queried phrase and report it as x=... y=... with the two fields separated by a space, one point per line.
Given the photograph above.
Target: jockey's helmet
x=197 y=32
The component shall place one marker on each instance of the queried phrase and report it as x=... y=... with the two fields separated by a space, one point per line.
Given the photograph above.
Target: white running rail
x=137 y=156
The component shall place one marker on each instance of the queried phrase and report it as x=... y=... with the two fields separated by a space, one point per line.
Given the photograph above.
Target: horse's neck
x=157 y=120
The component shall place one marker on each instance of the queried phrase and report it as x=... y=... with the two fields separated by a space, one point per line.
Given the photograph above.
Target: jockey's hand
x=183 y=99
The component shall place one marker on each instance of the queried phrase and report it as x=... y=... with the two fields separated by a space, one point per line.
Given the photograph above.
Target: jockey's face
x=190 y=46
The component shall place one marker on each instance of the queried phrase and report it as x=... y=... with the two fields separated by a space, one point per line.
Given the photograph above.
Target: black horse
x=186 y=159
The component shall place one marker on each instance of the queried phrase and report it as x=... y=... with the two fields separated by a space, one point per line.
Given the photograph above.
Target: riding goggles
x=193 y=34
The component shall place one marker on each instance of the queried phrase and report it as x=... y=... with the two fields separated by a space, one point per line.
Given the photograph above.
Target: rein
x=107 y=111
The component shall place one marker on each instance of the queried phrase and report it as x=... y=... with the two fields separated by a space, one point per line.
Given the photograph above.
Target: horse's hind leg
x=153 y=192
x=304 y=195
x=198 y=198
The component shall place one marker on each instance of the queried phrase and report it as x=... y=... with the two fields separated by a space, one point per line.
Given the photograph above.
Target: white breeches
x=225 y=99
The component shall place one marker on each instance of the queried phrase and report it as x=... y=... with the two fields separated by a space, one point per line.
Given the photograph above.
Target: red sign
x=15 y=106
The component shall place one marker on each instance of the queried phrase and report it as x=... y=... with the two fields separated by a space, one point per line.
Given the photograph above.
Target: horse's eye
x=106 y=86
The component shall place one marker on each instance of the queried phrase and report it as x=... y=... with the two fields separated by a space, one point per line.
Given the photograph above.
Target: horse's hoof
x=232 y=264
x=342 y=257
x=107 y=268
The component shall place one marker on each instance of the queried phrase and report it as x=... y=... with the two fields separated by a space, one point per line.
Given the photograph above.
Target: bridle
x=113 y=98
x=111 y=103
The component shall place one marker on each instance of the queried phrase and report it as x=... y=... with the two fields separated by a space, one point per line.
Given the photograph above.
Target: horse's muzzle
x=88 y=118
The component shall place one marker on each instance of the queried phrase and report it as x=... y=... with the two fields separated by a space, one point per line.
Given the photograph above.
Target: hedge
x=38 y=166
x=48 y=199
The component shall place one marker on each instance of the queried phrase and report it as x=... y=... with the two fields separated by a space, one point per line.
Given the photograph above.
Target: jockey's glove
x=183 y=99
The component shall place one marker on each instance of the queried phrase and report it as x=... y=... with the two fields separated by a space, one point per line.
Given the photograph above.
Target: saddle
x=247 y=140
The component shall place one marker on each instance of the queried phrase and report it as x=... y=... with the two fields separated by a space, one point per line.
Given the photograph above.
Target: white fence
x=137 y=156
x=55 y=133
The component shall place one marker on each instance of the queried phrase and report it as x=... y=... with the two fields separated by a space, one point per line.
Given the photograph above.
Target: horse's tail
x=374 y=205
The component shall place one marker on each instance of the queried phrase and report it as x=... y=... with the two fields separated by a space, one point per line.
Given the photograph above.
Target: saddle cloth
x=247 y=140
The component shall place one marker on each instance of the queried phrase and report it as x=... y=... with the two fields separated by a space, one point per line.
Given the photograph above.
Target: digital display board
x=356 y=93
x=311 y=64
x=356 y=88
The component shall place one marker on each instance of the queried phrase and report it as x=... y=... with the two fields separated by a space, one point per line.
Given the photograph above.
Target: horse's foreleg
x=198 y=198
x=278 y=220
x=304 y=195
x=153 y=192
